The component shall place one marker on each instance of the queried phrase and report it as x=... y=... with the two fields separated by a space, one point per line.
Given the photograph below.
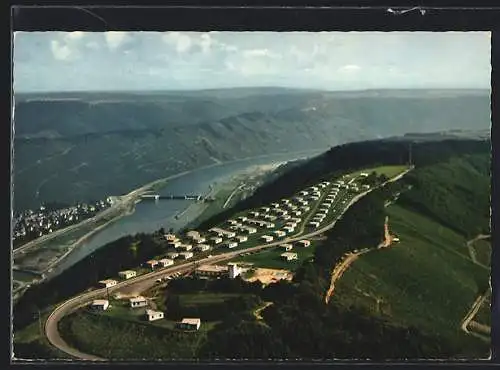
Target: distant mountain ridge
x=99 y=144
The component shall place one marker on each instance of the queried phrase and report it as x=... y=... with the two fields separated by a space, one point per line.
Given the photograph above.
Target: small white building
x=270 y=225
x=265 y=209
x=291 y=224
x=138 y=301
x=241 y=238
x=285 y=217
x=233 y=269
x=127 y=274
x=232 y=222
x=250 y=230
x=254 y=213
x=305 y=208
x=170 y=237
x=152 y=263
x=202 y=247
x=154 y=315
x=172 y=255
x=286 y=247
x=185 y=247
x=190 y=324
x=199 y=240
x=99 y=305
x=231 y=244
x=289 y=256
x=303 y=193
x=267 y=238
x=304 y=243
x=193 y=234
x=297 y=213
x=289 y=229
x=165 y=262
x=174 y=244
x=242 y=218
x=285 y=201
x=279 y=233
x=108 y=283
x=275 y=205
x=314 y=224
x=216 y=240
x=186 y=255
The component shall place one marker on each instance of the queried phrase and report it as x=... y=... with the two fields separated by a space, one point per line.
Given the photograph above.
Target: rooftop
x=137 y=299
x=191 y=321
x=100 y=302
x=212 y=268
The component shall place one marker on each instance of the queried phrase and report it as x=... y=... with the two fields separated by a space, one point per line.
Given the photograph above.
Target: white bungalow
x=314 y=224
x=202 y=247
x=138 y=301
x=267 y=238
x=231 y=244
x=154 y=315
x=165 y=262
x=127 y=274
x=275 y=205
x=241 y=238
x=304 y=243
x=254 y=213
x=279 y=233
x=242 y=218
x=289 y=229
x=172 y=255
x=99 y=305
x=286 y=247
x=289 y=256
x=250 y=230
x=174 y=244
x=192 y=234
x=108 y=283
x=186 y=255
x=189 y=324
x=185 y=247
x=152 y=263
x=216 y=240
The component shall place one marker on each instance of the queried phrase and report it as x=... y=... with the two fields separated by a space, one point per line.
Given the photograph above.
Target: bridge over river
x=155 y=197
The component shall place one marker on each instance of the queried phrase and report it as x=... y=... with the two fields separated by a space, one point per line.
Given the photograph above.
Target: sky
x=114 y=61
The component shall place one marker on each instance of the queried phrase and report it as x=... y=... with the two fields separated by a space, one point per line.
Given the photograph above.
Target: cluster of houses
x=30 y=224
x=149 y=314
x=272 y=223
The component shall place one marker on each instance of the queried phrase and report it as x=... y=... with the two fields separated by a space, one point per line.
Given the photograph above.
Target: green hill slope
x=428 y=279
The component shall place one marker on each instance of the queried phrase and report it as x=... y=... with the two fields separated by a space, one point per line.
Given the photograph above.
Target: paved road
x=71 y=305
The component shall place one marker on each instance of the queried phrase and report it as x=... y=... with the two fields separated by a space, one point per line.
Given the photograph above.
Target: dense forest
x=354 y=156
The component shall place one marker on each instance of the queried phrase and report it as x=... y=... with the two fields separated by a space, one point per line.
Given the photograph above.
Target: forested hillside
x=87 y=146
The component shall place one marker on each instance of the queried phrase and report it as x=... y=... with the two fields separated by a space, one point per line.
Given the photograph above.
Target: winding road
x=73 y=304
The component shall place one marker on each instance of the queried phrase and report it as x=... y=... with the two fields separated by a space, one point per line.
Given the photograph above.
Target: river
x=150 y=215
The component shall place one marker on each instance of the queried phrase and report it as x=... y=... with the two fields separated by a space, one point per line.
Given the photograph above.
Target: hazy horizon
x=46 y=62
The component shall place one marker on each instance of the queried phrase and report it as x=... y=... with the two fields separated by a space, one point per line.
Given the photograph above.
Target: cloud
x=180 y=41
x=73 y=36
x=350 y=68
x=115 y=39
x=256 y=53
x=60 y=51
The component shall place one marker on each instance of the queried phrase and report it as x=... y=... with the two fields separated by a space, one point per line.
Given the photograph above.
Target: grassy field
x=31 y=343
x=426 y=280
x=483 y=251
x=389 y=171
x=271 y=258
x=110 y=338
